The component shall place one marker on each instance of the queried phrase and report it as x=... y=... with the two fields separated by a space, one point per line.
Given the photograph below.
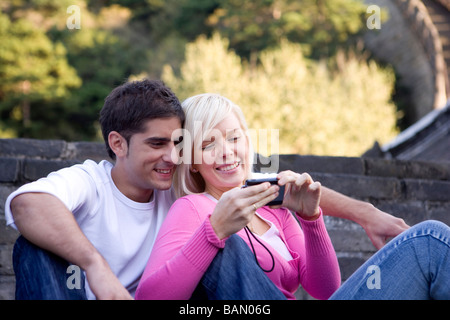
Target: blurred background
x=354 y=90
x=333 y=77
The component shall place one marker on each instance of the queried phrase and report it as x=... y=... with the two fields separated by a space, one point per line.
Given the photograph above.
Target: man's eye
x=157 y=144
x=178 y=141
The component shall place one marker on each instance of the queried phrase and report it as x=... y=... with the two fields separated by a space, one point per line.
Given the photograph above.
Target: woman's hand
x=302 y=194
x=237 y=206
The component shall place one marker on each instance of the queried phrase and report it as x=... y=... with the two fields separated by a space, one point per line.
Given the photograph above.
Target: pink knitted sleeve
x=185 y=246
x=318 y=266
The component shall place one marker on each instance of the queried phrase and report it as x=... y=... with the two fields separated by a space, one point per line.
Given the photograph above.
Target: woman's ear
x=118 y=144
x=193 y=169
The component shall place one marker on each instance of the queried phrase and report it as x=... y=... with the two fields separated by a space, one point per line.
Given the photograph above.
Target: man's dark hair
x=128 y=107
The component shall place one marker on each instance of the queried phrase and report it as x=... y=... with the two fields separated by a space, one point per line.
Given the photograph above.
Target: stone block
x=6 y=267
x=300 y=164
x=36 y=168
x=89 y=150
x=9 y=169
x=407 y=169
x=32 y=148
x=351 y=240
x=7 y=287
x=5 y=191
x=439 y=211
x=8 y=235
x=427 y=190
x=361 y=187
x=410 y=210
x=348 y=264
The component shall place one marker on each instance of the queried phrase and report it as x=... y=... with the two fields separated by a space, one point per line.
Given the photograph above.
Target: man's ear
x=118 y=144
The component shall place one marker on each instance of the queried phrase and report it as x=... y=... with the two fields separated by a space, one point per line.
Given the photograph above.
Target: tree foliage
x=34 y=72
x=286 y=62
x=315 y=108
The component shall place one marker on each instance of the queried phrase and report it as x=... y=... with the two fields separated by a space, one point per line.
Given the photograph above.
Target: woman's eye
x=207 y=146
x=234 y=139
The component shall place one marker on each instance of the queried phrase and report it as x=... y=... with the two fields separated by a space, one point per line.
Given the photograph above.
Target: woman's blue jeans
x=415 y=265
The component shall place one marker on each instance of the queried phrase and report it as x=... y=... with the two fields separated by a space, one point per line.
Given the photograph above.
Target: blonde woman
x=223 y=235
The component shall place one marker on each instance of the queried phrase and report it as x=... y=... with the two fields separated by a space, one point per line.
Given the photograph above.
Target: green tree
x=105 y=52
x=35 y=78
x=321 y=26
x=314 y=107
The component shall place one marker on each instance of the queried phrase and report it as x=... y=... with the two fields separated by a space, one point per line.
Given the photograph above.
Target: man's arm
x=45 y=221
x=378 y=225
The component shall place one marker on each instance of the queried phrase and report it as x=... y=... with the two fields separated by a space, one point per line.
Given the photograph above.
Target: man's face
x=148 y=164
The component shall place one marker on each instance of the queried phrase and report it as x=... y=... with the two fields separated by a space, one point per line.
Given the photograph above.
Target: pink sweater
x=186 y=244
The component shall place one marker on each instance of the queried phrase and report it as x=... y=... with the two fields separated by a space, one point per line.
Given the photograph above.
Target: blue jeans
x=413 y=266
x=41 y=275
x=233 y=274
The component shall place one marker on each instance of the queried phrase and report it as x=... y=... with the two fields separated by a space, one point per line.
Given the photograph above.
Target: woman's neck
x=216 y=194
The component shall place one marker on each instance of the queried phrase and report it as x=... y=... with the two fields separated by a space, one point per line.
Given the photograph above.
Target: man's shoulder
x=91 y=165
x=100 y=170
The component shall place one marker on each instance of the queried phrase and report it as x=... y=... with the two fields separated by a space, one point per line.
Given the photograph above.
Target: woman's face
x=224 y=157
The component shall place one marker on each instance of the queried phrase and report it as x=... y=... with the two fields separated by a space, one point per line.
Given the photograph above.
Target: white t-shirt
x=122 y=230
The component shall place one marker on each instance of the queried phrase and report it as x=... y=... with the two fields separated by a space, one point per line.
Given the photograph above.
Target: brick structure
x=414 y=191
x=409 y=41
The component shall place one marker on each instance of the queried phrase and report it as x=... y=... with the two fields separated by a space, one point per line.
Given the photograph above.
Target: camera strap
x=248 y=232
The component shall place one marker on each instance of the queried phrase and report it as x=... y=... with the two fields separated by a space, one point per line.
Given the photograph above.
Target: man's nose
x=171 y=154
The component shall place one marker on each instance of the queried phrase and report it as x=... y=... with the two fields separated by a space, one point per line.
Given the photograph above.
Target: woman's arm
x=318 y=267
x=185 y=246
x=190 y=238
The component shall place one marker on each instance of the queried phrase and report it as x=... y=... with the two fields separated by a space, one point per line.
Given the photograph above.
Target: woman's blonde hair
x=203 y=113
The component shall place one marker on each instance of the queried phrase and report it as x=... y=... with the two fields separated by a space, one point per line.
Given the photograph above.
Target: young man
x=103 y=218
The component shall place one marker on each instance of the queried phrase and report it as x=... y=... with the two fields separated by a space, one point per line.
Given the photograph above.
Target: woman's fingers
x=236 y=207
x=299 y=180
x=302 y=192
x=259 y=195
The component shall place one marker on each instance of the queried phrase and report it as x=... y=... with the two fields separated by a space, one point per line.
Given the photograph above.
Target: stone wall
x=409 y=42
x=414 y=191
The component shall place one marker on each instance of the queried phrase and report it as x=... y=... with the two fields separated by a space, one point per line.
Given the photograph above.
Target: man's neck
x=128 y=190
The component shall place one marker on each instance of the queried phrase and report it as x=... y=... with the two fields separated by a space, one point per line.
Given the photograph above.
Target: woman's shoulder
x=199 y=200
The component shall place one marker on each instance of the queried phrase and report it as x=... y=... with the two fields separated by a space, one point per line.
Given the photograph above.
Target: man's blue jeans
x=41 y=275
x=233 y=274
x=415 y=265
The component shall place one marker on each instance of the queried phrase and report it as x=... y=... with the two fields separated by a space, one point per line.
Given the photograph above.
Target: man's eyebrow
x=157 y=139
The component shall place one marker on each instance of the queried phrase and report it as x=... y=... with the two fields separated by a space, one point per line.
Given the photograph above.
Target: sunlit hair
x=208 y=109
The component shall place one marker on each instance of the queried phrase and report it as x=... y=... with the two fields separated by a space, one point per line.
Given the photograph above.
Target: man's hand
x=104 y=284
x=381 y=226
